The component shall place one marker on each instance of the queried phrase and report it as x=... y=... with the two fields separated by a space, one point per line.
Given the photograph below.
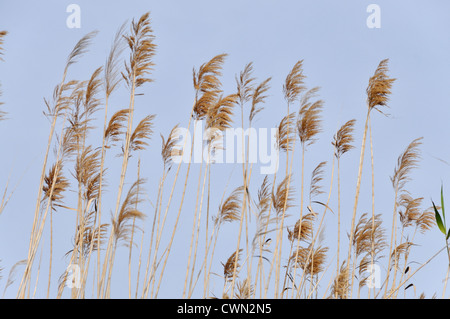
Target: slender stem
x=393 y=242
x=169 y=247
x=372 y=254
x=244 y=206
x=393 y=290
x=338 y=221
x=207 y=227
x=358 y=186
x=132 y=232
x=197 y=232
x=214 y=232
x=51 y=254
x=27 y=273
x=156 y=223
x=448 y=270
x=153 y=269
x=194 y=223
x=139 y=265
x=39 y=227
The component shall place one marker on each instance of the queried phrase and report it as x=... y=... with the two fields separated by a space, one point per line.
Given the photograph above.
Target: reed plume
x=230 y=209
x=426 y=220
x=340 y=286
x=120 y=226
x=369 y=242
x=112 y=76
x=231 y=266
x=343 y=139
x=80 y=49
x=400 y=250
x=283 y=197
x=285 y=133
x=86 y=238
x=55 y=184
x=316 y=178
x=244 y=289
x=142 y=132
x=406 y=162
x=91 y=102
x=258 y=98
x=219 y=114
x=264 y=196
x=366 y=234
x=294 y=83
x=87 y=167
x=62 y=100
x=169 y=148
x=115 y=127
x=207 y=77
x=244 y=84
x=68 y=144
x=303 y=228
x=309 y=118
x=411 y=210
x=142 y=46
x=312 y=265
x=379 y=87
x=207 y=85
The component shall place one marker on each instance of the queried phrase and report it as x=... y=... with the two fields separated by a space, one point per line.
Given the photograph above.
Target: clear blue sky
x=340 y=53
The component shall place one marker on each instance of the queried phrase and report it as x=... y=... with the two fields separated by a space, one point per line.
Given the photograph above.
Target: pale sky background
x=340 y=53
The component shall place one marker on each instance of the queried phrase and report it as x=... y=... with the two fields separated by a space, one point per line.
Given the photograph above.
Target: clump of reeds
x=259 y=216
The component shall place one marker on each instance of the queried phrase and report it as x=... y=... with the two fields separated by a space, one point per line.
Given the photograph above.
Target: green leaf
x=442 y=204
x=439 y=220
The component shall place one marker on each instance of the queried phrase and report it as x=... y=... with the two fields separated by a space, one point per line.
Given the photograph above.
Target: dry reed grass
x=260 y=220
